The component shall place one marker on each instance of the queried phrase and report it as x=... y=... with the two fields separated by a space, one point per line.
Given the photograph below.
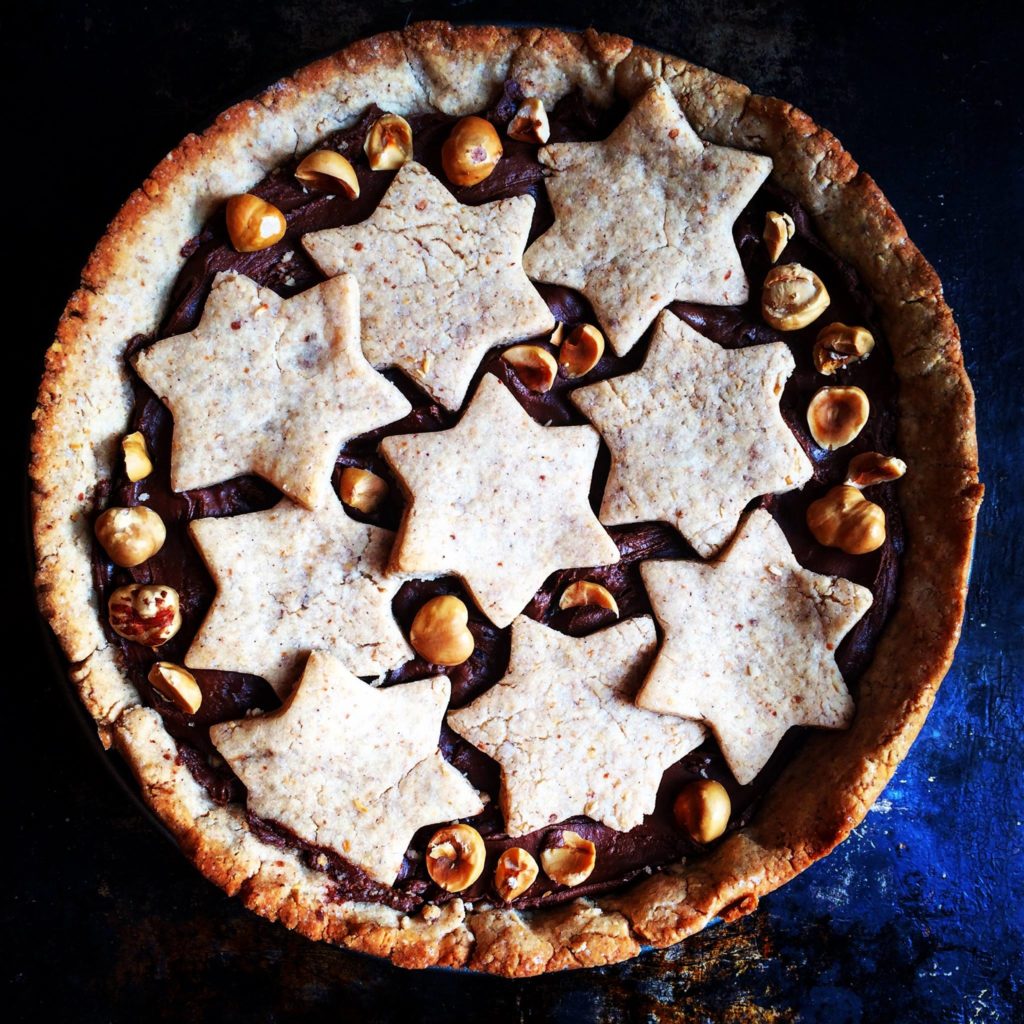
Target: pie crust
x=85 y=399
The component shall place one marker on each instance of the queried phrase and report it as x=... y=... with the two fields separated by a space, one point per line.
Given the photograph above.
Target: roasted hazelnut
x=530 y=123
x=534 y=366
x=702 y=810
x=362 y=489
x=514 y=873
x=836 y=416
x=130 y=535
x=570 y=860
x=793 y=297
x=330 y=172
x=871 y=468
x=253 y=223
x=778 y=230
x=471 y=152
x=388 y=143
x=581 y=351
x=439 y=631
x=146 y=613
x=137 y=463
x=845 y=519
x=455 y=857
x=177 y=684
x=584 y=592
x=838 y=345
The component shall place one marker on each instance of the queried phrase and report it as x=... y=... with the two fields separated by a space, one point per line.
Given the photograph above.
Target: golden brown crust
x=825 y=791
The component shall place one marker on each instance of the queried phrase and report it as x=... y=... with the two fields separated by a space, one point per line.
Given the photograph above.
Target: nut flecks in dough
x=291 y=580
x=695 y=434
x=348 y=767
x=440 y=283
x=269 y=385
x=750 y=644
x=498 y=500
x=645 y=217
x=563 y=726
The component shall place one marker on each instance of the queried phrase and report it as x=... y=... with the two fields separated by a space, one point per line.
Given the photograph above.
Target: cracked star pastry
x=242 y=638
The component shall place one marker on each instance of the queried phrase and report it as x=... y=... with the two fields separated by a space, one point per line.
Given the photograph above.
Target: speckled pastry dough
x=314 y=579
x=563 y=726
x=441 y=283
x=348 y=767
x=498 y=500
x=695 y=434
x=750 y=644
x=646 y=217
x=268 y=385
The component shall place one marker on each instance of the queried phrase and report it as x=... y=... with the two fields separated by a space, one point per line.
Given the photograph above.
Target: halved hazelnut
x=362 y=489
x=177 y=684
x=147 y=613
x=530 y=123
x=793 y=297
x=557 y=335
x=839 y=345
x=702 y=809
x=329 y=171
x=570 y=860
x=137 y=463
x=581 y=351
x=836 y=416
x=253 y=223
x=439 y=631
x=584 y=592
x=455 y=857
x=534 y=366
x=388 y=143
x=845 y=519
x=514 y=873
x=130 y=535
x=778 y=230
x=871 y=468
x=471 y=152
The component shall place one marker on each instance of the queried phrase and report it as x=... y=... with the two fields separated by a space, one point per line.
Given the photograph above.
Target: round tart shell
x=85 y=400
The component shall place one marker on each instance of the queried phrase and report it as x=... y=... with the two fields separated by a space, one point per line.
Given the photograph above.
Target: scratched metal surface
x=915 y=918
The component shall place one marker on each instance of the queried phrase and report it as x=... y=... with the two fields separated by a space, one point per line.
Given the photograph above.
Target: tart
x=466 y=488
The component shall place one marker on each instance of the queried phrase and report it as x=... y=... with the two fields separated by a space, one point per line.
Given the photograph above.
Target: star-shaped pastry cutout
x=563 y=727
x=750 y=644
x=498 y=500
x=695 y=434
x=348 y=767
x=291 y=580
x=268 y=385
x=645 y=217
x=440 y=282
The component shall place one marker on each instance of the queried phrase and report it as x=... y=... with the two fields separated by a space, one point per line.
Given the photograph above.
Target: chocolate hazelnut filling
x=286 y=268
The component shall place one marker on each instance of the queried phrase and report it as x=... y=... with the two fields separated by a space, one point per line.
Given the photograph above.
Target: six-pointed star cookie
x=499 y=500
x=291 y=580
x=268 y=385
x=440 y=282
x=645 y=217
x=348 y=767
x=695 y=434
x=750 y=644
x=563 y=727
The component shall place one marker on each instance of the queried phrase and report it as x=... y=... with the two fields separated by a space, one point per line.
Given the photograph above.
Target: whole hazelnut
x=253 y=223
x=514 y=873
x=362 y=489
x=530 y=123
x=778 y=230
x=570 y=859
x=388 y=143
x=455 y=857
x=130 y=535
x=177 y=684
x=471 y=152
x=839 y=345
x=702 y=810
x=439 y=632
x=149 y=613
x=137 y=463
x=581 y=351
x=845 y=519
x=793 y=297
x=871 y=468
x=328 y=171
x=584 y=592
x=534 y=366
x=836 y=416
